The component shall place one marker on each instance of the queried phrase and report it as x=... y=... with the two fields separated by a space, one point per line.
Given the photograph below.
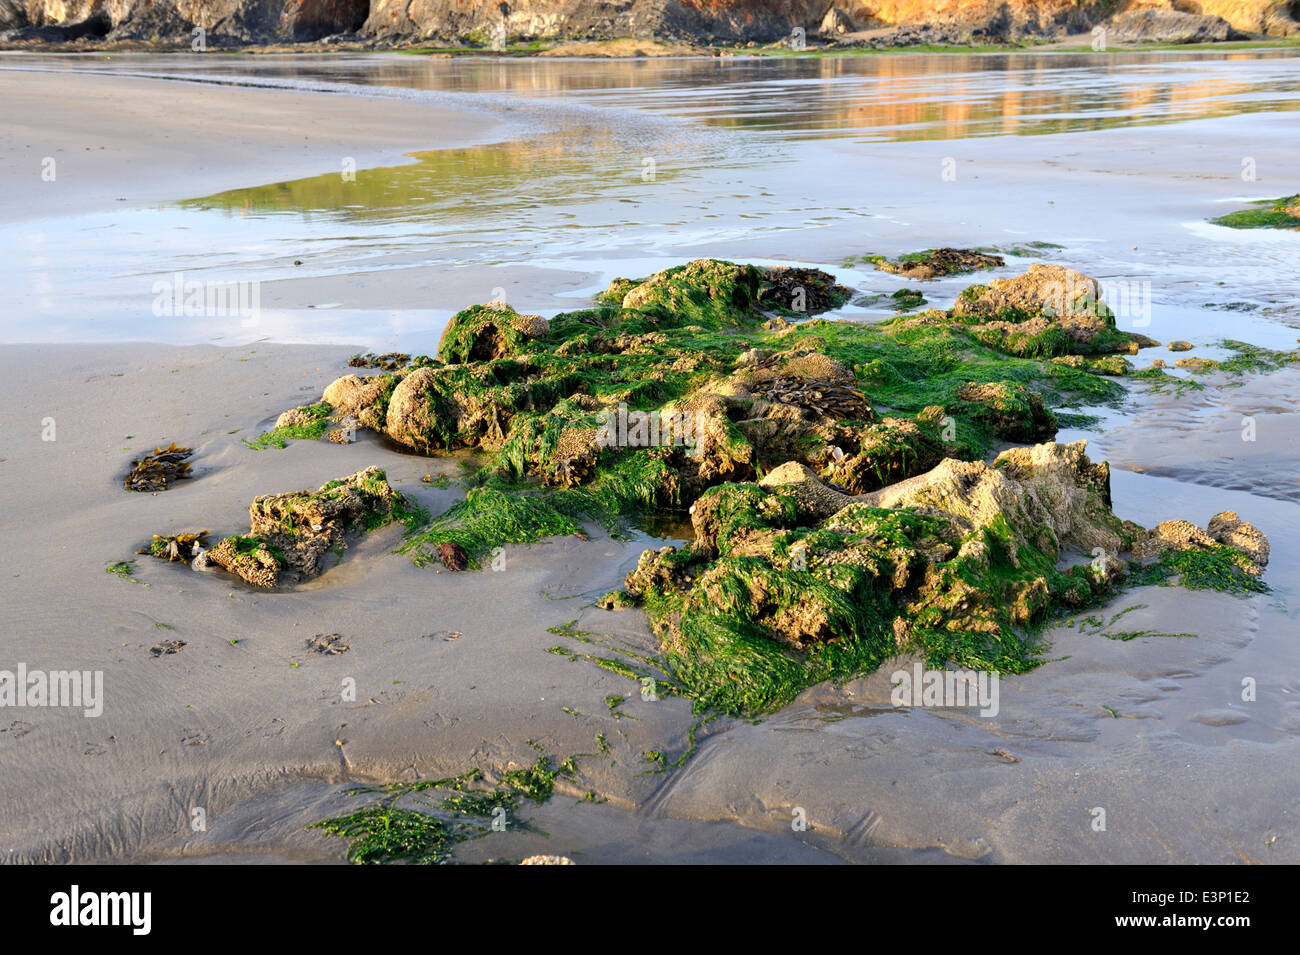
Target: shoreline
x=642 y=48
x=244 y=135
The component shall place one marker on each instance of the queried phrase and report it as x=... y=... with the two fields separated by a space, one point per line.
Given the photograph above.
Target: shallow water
x=623 y=167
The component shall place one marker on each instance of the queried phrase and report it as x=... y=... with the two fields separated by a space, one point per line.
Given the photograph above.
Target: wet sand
x=452 y=669
x=118 y=139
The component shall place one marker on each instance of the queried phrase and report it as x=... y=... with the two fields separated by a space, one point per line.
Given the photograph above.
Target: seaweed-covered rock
x=963 y=552
x=706 y=292
x=1009 y=410
x=658 y=571
x=488 y=332
x=249 y=558
x=445 y=408
x=858 y=522
x=725 y=516
x=891 y=450
x=934 y=263
x=1048 y=310
x=1283 y=213
x=1053 y=291
x=291 y=533
x=159 y=469
x=1113 y=365
x=1227 y=528
x=1224 y=529
x=389 y=361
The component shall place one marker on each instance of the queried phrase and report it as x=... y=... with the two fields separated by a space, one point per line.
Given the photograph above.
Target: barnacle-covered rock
x=1227 y=528
x=250 y=558
x=365 y=399
x=814 y=498
x=1224 y=528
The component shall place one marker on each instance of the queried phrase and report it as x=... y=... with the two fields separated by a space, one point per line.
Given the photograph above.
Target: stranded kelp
x=292 y=533
x=1281 y=213
x=936 y=263
x=183 y=547
x=841 y=505
x=157 y=470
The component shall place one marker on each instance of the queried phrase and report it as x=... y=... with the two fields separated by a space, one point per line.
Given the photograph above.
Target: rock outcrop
x=1224 y=528
x=241 y=21
x=291 y=534
x=13 y=14
x=1167 y=26
x=483 y=22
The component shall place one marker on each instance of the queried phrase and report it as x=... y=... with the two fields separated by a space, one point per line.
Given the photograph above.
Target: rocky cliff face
x=243 y=20
x=696 y=20
x=678 y=19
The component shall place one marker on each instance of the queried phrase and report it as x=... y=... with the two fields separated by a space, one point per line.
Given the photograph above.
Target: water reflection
x=776 y=158
x=760 y=109
x=908 y=97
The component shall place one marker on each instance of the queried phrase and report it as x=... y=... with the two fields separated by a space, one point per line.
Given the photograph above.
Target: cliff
x=701 y=21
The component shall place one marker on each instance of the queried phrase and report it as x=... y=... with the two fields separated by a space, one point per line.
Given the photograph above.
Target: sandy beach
x=451 y=670
x=164 y=141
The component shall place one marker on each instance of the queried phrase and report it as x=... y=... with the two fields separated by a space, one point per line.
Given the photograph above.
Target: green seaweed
x=281 y=436
x=124 y=569
x=386 y=834
x=1283 y=213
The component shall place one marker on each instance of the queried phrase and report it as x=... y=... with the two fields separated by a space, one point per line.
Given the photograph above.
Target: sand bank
x=118 y=139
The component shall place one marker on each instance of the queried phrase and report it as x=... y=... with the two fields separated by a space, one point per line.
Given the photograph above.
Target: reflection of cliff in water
x=906 y=97
x=776 y=102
